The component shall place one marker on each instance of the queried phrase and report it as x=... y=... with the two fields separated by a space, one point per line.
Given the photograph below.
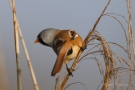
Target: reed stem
x=17 y=52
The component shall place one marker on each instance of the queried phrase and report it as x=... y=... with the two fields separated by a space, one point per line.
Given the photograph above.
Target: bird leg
x=69 y=70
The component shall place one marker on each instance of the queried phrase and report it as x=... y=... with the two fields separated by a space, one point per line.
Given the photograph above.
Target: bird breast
x=75 y=49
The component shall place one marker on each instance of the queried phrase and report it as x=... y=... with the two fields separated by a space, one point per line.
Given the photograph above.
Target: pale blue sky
x=34 y=16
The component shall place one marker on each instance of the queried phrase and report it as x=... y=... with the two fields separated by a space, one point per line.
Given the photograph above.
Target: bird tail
x=60 y=59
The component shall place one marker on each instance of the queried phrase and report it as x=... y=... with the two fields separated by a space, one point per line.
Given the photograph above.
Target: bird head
x=46 y=36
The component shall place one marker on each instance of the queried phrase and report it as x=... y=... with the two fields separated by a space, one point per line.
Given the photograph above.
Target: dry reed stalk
x=27 y=55
x=130 y=41
x=19 y=77
x=112 y=61
x=108 y=59
x=86 y=41
x=109 y=63
x=28 y=61
x=130 y=25
x=57 y=84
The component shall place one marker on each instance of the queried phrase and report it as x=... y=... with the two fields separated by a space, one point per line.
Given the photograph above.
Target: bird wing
x=61 y=56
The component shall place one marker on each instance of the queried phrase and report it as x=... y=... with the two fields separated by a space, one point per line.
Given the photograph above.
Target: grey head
x=46 y=36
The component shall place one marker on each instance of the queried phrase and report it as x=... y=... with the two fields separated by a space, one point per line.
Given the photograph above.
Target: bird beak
x=36 y=41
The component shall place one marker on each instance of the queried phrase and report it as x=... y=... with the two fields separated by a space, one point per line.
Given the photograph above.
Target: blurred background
x=34 y=16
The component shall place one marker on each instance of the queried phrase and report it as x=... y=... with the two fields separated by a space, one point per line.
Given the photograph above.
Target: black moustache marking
x=41 y=41
x=70 y=52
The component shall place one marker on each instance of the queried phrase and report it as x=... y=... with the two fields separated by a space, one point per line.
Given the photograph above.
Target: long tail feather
x=61 y=56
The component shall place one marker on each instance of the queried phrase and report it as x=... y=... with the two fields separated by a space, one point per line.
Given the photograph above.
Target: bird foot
x=83 y=48
x=69 y=71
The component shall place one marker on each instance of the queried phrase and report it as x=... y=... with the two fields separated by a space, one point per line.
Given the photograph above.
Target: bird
x=65 y=43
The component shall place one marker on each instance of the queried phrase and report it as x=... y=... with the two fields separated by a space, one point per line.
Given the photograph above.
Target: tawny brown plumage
x=65 y=41
x=66 y=44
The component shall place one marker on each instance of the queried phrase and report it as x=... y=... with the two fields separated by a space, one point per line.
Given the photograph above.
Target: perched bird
x=65 y=43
